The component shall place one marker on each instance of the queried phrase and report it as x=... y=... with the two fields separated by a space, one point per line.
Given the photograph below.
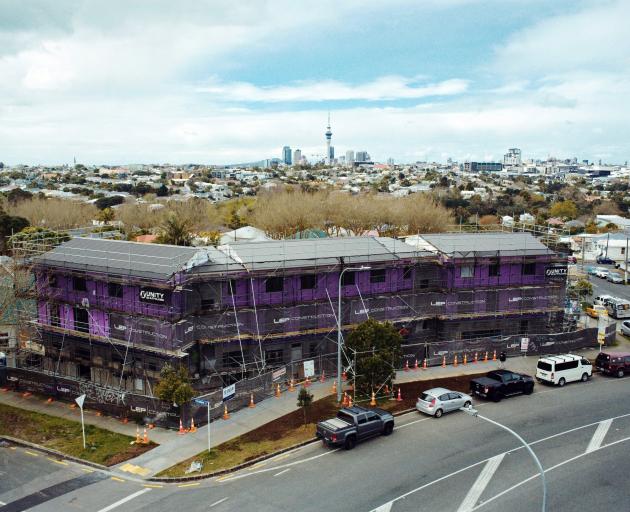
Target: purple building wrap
x=278 y=300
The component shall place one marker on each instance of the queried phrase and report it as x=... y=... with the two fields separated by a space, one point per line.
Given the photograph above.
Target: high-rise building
x=349 y=157
x=362 y=156
x=328 y=140
x=297 y=156
x=286 y=155
x=512 y=157
x=331 y=154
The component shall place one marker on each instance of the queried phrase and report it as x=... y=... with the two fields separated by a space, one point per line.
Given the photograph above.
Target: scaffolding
x=231 y=307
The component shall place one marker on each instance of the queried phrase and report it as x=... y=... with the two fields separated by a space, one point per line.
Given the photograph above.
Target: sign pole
x=79 y=400
x=208 y=427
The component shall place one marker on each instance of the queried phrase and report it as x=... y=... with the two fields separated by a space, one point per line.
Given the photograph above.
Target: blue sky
x=219 y=81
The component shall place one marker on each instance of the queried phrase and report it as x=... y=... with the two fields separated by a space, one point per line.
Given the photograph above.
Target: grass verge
x=103 y=447
x=290 y=430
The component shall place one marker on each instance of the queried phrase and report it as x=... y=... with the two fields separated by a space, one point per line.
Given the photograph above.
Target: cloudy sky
x=213 y=81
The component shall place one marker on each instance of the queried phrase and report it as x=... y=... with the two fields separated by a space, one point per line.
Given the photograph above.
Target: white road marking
x=515 y=449
x=124 y=500
x=219 y=502
x=2 y=503
x=385 y=507
x=282 y=472
x=481 y=483
x=537 y=475
x=598 y=436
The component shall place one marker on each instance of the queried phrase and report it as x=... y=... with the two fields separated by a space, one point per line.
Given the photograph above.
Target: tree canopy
x=377 y=346
x=174 y=385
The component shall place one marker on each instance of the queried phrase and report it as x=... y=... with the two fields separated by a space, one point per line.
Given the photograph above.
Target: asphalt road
x=581 y=433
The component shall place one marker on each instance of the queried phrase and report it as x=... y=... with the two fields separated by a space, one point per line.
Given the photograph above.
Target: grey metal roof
x=320 y=252
x=486 y=244
x=153 y=261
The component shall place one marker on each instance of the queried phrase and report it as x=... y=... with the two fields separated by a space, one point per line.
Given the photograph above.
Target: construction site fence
x=279 y=379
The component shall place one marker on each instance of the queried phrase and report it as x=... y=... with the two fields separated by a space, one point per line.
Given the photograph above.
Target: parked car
x=601 y=299
x=601 y=272
x=613 y=363
x=613 y=277
x=353 y=424
x=590 y=270
x=596 y=310
x=625 y=328
x=437 y=401
x=498 y=384
x=604 y=260
x=563 y=368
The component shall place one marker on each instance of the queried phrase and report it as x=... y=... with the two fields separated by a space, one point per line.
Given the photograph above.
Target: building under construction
x=113 y=312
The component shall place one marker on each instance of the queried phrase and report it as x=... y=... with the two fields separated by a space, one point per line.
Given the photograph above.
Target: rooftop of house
x=462 y=245
x=155 y=261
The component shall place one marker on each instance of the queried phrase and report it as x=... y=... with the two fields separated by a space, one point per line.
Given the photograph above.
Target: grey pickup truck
x=354 y=424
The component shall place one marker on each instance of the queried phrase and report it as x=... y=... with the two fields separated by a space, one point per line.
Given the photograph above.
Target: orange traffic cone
x=424 y=364
x=373 y=401
x=251 y=401
x=26 y=394
x=399 y=397
x=349 y=401
x=138 y=438
x=49 y=401
x=73 y=406
x=125 y=420
x=277 y=390
x=386 y=389
x=455 y=361
x=99 y=413
x=485 y=358
x=334 y=386
x=192 y=426
x=494 y=355
x=291 y=386
x=406 y=368
x=226 y=414
x=415 y=366
x=344 y=377
x=465 y=360
x=443 y=361
x=475 y=360
x=181 y=431
x=323 y=376
x=145 y=437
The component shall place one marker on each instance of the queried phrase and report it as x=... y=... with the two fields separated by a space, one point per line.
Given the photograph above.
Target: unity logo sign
x=556 y=271
x=153 y=295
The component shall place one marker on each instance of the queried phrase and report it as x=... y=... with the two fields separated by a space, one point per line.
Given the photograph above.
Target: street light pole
x=80 y=400
x=473 y=412
x=339 y=327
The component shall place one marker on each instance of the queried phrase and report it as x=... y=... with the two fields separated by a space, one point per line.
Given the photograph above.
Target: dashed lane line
x=598 y=437
x=124 y=500
x=537 y=475
x=116 y=479
x=481 y=483
x=218 y=502
x=152 y=486
x=32 y=454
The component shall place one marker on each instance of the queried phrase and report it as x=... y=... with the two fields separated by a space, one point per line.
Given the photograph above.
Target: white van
x=562 y=369
x=618 y=308
x=601 y=299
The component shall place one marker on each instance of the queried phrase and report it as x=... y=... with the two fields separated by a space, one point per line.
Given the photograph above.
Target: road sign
x=309 y=368
x=198 y=401
x=79 y=400
x=229 y=392
x=524 y=344
x=279 y=373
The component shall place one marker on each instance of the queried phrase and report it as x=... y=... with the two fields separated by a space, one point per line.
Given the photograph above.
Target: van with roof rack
x=563 y=368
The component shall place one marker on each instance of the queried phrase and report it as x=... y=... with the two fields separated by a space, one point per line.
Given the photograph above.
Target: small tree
x=174 y=385
x=377 y=350
x=175 y=231
x=305 y=399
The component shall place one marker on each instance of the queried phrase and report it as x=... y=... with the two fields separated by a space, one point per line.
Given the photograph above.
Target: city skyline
x=207 y=83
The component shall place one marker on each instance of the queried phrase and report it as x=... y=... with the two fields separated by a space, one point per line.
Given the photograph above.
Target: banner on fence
x=309 y=368
x=229 y=392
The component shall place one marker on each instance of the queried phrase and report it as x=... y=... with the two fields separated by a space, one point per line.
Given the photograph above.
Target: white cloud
x=383 y=88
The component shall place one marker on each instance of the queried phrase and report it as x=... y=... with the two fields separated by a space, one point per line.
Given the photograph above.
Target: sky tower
x=328 y=159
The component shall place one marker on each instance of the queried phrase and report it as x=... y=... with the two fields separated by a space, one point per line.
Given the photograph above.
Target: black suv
x=613 y=363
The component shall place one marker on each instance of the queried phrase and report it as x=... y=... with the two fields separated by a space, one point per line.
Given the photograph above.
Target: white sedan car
x=437 y=401
x=625 y=328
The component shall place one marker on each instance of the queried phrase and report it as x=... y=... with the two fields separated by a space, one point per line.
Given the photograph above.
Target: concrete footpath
x=176 y=448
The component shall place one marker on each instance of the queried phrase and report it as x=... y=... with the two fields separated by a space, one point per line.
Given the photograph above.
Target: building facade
x=114 y=312
x=483 y=166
